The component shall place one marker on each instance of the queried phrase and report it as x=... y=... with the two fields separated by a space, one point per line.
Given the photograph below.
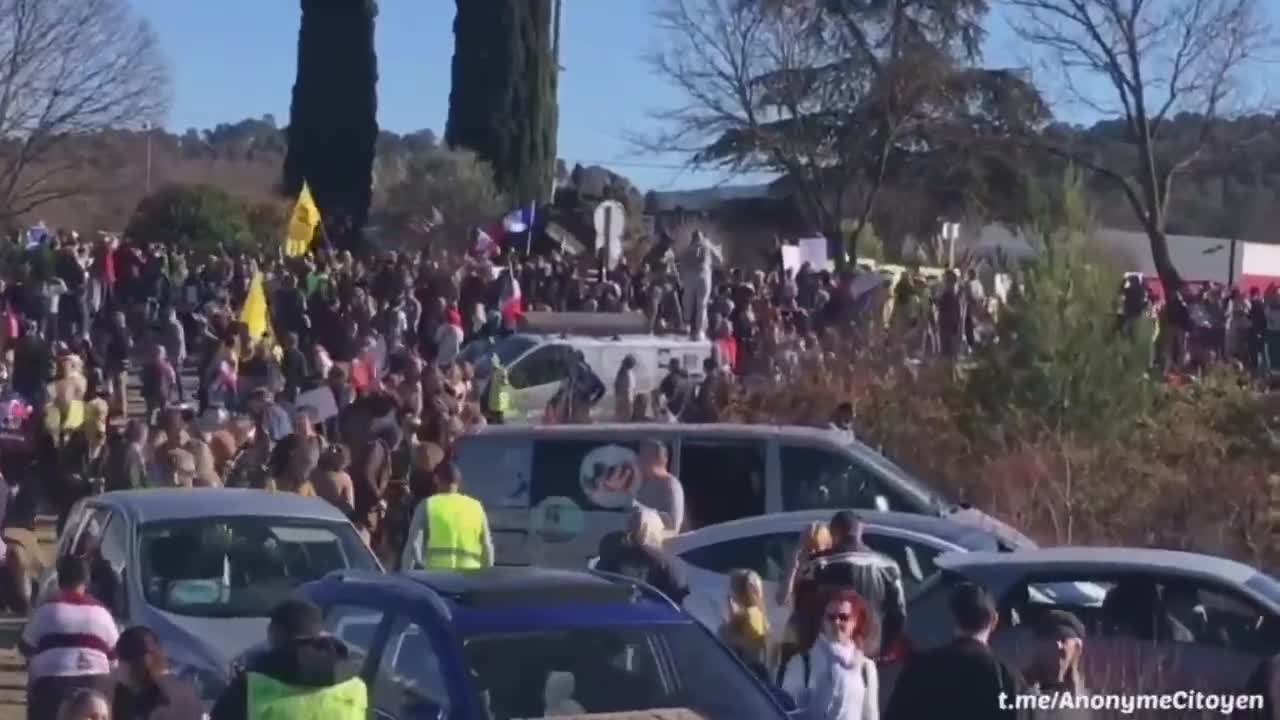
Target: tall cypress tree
x=503 y=101
x=333 y=128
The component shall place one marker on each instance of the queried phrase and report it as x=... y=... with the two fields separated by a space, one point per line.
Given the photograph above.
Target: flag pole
x=528 y=243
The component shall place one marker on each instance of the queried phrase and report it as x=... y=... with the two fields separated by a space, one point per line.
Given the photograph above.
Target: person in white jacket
x=835 y=680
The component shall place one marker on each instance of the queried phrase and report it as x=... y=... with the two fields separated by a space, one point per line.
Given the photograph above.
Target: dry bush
x=1193 y=475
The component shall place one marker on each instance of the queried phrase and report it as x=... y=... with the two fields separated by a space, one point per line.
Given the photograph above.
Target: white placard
x=814 y=252
x=790 y=258
x=322 y=400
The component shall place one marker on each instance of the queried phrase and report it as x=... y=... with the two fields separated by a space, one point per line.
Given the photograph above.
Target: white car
x=767 y=544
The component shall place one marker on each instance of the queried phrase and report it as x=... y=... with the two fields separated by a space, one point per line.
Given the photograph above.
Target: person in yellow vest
x=303 y=673
x=497 y=400
x=449 y=530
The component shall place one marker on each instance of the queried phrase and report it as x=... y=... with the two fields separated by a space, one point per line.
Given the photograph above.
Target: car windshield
x=508 y=350
x=612 y=670
x=242 y=566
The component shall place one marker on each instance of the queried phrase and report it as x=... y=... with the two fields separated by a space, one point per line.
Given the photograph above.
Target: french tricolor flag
x=511 y=304
x=520 y=221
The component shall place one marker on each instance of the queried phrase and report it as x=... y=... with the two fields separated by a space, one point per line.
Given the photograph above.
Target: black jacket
x=314 y=662
x=875 y=577
x=646 y=564
x=169 y=699
x=1264 y=681
x=962 y=679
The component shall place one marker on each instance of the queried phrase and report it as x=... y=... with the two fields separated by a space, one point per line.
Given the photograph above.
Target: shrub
x=1058 y=429
x=453 y=182
x=199 y=217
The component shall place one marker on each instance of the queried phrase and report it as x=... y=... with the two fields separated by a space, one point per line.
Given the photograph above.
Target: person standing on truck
x=450 y=530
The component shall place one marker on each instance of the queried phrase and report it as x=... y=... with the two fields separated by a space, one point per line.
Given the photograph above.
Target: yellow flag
x=302 y=225
x=254 y=313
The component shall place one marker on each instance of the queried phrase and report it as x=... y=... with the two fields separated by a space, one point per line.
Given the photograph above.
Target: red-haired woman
x=835 y=680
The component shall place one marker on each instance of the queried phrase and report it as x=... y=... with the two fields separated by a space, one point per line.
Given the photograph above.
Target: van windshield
x=905 y=480
x=508 y=349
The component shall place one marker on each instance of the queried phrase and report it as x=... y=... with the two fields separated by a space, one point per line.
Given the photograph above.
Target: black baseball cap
x=1059 y=625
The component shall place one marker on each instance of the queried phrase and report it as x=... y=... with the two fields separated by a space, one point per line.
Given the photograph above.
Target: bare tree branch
x=1148 y=60
x=69 y=68
x=831 y=95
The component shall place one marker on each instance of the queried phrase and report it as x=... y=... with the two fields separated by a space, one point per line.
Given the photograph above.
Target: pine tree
x=503 y=102
x=334 y=125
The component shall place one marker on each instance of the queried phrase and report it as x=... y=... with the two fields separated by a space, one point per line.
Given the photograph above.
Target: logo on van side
x=610 y=476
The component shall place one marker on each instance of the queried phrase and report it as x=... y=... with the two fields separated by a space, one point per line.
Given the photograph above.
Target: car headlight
x=208 y=684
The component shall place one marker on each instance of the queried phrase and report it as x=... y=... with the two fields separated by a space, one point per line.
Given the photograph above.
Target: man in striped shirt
x=69 y=643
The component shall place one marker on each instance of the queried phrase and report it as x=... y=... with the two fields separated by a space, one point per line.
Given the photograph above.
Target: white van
x=538 y=363
x=552 y=492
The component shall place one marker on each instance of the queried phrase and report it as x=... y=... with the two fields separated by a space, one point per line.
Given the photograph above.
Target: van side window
x=723 y=480
x=813 y=478
x=548 y=364
x=495 y=470
x=584 y=471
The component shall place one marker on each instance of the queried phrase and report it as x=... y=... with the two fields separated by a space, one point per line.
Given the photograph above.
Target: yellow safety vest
x=270 y=699
x=455 y=532
x=499 y=391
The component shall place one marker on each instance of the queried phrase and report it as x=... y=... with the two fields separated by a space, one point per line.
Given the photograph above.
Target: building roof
x=181 y=504
x=704 y=200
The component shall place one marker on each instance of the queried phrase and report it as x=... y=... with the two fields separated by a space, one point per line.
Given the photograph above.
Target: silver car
x=203 y=568
x=1167 y=620
x=767 y=545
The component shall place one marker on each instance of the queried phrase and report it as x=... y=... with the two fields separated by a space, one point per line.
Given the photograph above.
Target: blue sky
x=234 y=59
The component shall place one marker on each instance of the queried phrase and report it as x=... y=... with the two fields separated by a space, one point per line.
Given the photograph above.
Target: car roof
x=950 y=532
x=788 y=432
x=524 y=587
x=182 y=504
x=1101 y=560
x=515 y=597
x=624 y=340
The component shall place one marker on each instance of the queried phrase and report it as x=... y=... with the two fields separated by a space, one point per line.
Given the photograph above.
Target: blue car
x=509 y=643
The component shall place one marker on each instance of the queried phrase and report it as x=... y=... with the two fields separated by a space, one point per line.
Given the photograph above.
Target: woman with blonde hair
x=746 y=631
x=802 y=629
x=816 y=539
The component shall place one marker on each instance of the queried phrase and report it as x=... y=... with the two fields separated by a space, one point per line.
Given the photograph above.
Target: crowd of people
x=344 y=378
x=847 y=614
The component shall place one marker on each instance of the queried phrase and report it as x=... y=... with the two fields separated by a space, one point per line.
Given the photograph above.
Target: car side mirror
x=882 y=503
